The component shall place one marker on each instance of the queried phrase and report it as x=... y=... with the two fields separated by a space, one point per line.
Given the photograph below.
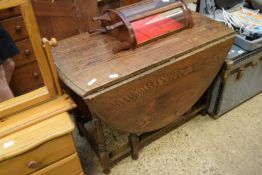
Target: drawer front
x=69 y=165
x=15 y=27
x=10 y=12
x=26 y=79
x=26 y=53
x=39 y=157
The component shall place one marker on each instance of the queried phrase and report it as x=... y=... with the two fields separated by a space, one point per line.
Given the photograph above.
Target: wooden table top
x=83 y=58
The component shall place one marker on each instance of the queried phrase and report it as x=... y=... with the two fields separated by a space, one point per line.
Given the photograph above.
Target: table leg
x=134 y=144
x=79 y=122
x=102 y=151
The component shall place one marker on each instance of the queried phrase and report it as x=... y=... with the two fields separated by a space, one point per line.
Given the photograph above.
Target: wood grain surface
x=156 y=98
x=68 y=165
x=44 y=155
x=65 y=18
x=36 y=135
x=26 y=118
x=82 y=58
x=156 y=84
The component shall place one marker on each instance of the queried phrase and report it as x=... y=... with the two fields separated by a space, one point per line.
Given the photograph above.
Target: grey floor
x=230 y=145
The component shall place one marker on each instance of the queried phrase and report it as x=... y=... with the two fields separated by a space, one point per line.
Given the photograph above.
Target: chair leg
x=134 y=144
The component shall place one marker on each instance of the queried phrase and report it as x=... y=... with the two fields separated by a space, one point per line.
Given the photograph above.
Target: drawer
x=26 y=79
x=69 y=165
x=40 y=157
x=15 y=27
x=10 y=12
x=26 y=53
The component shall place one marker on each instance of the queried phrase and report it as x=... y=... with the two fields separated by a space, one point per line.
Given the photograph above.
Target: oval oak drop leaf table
x=143 y=90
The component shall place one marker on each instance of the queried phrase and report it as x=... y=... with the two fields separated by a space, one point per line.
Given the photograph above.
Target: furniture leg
x=83 y=110
x=198 y=6
x=102 y=152
x=207 y=99
x=134 y=144
x=79 y=123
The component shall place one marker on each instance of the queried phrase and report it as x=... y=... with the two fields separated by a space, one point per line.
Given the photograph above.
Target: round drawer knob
x=36 y=75
x=18 y=28
x=33 y=164
x=27 y=52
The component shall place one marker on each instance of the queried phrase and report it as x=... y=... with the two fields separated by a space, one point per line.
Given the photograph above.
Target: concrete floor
x=230 y=145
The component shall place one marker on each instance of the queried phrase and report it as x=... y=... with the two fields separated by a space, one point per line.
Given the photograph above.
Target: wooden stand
x=147 y=91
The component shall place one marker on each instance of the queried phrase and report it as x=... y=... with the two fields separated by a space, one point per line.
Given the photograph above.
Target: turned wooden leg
x=102 y=152
x=134 y=144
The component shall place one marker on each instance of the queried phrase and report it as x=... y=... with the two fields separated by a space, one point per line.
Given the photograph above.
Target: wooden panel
x=36 y=133
x=26 y=53
x=15 y=27
x=85 y=57
x=159 y=96
x=21 y=120
x=11 y=106
x=69 y=165
x=63 y=27
x=57 y=18
x=86 y=10
x=43 y=156
x=58 y=27
x=11 y=12
x=57 y=8
x=65 y=18
x=26 y=79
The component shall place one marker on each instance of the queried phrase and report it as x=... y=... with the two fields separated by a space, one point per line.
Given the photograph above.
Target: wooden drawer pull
x=36 y=75
x=27 y=52
x=33 y=164
x=18 y=28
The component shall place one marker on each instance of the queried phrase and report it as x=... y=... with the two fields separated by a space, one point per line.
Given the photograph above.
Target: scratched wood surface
x=84 y=57
x=160 y=96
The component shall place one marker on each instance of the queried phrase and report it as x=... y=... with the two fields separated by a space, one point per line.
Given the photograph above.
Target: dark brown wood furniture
x=144 y=91
x=65 y=18
x=27 y=76
x=60 y=19
x=128 y=2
